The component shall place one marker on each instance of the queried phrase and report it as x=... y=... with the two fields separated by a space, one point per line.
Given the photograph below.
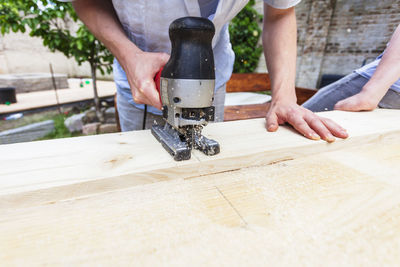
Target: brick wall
x=314 y=28
x=356 y=30
x=336 y=36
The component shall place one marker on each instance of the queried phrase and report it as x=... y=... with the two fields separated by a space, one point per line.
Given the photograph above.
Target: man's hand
x=304 y=121
x=140 y=70
x=140 y=67
x=363 y=101
x=279 y=40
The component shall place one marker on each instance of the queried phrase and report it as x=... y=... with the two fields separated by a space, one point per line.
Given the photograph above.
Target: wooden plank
x=245 y=112
x=39 y=172
x=248 y=82
x=41 y=99
x=255 y=82
x=330 y=209
x=303 y=94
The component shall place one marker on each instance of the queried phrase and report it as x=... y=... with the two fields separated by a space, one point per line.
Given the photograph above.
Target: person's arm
x=140 y=67
x=387 y=73
x=279 y=41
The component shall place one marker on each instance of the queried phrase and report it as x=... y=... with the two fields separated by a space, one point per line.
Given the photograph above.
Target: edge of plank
x=252 y=146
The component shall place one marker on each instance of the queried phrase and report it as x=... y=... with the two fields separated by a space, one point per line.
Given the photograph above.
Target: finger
x=339 y=105
x=149 y=91
x=159 y=63
x=302 y=127
x=316 y=124
x=335 y=128
x=164 y=57
x=272 y=122
x=140 y=99
x=356 y=103
x=348 y=104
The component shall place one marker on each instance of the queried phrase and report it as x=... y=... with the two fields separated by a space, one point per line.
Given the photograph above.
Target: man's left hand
x=304 y=121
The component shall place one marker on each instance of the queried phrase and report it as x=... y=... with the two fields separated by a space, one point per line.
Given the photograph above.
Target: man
x=376 y=84
x=136 y=32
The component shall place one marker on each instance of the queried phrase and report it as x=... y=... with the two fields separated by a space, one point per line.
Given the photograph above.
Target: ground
x=60 y=130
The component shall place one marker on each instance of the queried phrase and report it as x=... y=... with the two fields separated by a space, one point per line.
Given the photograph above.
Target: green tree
x=53 y=22
x=245 y=34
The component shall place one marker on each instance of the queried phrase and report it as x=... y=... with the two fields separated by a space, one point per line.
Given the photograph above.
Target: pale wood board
x=39 y=172
x=267 y=199
x=41 y=99
x=338 y=208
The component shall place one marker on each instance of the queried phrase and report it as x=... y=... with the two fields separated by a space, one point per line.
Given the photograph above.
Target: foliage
x=245 y=34
x=9 y=18
x=60 y=130
x=52 y=21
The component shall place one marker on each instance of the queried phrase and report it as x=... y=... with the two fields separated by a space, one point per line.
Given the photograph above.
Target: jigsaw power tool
x=186 y=85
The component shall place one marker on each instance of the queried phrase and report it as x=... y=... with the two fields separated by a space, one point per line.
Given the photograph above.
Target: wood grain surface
x=39 y=172
x=337 y=208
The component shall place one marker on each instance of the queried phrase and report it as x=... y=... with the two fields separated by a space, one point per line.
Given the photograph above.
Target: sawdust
x=312 y=211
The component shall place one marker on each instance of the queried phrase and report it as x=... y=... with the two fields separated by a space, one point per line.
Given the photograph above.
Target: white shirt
x=146 y=24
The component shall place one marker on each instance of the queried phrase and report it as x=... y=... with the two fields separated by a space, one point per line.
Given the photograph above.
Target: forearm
x=100 y=18
x=388 y=70
x=279 y=41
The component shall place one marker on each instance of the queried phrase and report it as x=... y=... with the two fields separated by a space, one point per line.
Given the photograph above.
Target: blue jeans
x=131 y=117
x=326 y=97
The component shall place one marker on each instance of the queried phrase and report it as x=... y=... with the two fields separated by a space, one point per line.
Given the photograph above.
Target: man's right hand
x=140 y=68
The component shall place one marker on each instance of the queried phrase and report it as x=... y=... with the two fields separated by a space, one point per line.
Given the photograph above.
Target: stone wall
x=20 y=53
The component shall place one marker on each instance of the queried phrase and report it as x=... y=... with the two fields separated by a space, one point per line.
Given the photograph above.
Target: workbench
x=266 y=199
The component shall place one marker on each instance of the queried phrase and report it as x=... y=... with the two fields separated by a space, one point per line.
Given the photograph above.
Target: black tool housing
x=191 y=38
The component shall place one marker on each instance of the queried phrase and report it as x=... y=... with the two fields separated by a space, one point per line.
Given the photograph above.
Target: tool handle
x=157 y=80
x=191 y=49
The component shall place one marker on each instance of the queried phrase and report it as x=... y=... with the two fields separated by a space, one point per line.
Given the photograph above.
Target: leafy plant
x=60 y=130
x=51 y=21
x=9 y=18
x=245 y=34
